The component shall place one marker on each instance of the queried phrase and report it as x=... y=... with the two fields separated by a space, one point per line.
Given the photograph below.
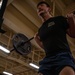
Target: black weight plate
x=20 y=44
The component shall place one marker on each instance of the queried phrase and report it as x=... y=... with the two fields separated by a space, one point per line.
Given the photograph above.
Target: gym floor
x=21 y=16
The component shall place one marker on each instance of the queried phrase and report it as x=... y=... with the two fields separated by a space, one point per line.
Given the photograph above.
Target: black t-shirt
x=52 y=33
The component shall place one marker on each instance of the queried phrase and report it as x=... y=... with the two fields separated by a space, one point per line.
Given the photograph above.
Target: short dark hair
x=43 y=2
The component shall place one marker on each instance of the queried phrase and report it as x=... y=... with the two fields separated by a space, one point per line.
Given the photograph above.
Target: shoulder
x=62 y=17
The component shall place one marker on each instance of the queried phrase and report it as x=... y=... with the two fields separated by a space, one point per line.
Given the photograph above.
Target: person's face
x=42 y=9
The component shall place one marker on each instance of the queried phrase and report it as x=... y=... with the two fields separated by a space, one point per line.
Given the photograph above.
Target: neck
x=45 y=17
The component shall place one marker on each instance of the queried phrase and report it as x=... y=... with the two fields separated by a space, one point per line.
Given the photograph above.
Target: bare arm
x=37 y=39
x=71 y=21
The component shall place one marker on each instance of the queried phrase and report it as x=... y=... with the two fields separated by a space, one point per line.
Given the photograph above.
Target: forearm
x=71 y=29
x=39 y=43
x=37 y=39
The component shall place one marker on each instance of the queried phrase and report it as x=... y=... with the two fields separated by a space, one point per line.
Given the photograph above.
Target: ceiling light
x=7 y=73
x=4 y=49
x=0 y=3
x=33 y=65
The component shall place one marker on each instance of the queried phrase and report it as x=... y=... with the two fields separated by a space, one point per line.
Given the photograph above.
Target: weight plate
x=20 y=44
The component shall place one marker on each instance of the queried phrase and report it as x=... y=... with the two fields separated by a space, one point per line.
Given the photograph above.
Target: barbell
x=22 y=44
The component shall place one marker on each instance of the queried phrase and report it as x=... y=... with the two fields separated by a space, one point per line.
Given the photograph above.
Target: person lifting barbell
x=51 y=36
